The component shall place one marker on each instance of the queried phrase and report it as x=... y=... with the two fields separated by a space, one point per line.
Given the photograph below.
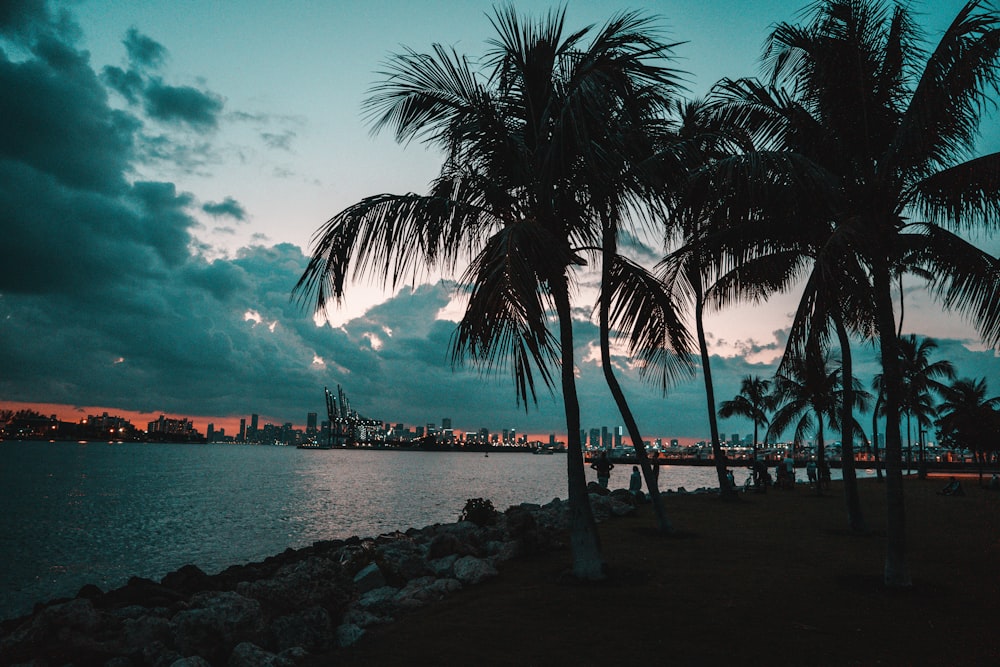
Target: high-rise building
x=210 y=433
x=445 y=423
x=619 y=431
x=605 y=438
x=243 y=430
x=595 y=437
x=253 y=435
x=311 y=423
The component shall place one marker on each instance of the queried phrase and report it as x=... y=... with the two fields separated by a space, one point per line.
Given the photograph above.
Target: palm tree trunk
x=855 y=518
x=725 y=492
x=652 y=485
x=878 y=461
x=820 y=453
x=585 y=544
x=896 y=574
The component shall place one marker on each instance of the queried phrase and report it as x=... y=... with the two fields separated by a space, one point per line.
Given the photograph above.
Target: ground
x=773 y=579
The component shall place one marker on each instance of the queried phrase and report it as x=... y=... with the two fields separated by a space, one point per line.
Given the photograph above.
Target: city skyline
x=168 y=170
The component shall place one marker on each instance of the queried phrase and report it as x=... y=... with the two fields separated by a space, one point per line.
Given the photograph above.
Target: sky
x=165 y=164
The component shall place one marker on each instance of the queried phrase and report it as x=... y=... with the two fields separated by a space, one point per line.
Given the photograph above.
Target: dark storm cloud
x=144 y=52
x=171 y=104
x=228 y=207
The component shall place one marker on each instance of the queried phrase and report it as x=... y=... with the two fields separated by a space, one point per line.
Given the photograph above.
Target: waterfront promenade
x=774 y=579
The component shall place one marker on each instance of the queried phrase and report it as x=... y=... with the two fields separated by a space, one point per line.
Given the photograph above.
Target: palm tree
x=754 y=402
x=968 y=419
x=809 y=394
x=513 y=195
x=920 y=378
x=893 y=126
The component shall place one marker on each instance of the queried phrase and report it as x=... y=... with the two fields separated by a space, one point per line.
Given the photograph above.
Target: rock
x=145 y=630
x=309 y=582
x=140 y=591
x=90 y=592
x=442 y=567
x=364 y=619
x=596 y=489
x=368 y=579
x=400 y=561
x=472 y=570
x=191 y=661
x=379 y=601
x=188 y=579
x=423 y=591
x=310 y=629
x=216 y=623
x=348 y=634
x=246 y=654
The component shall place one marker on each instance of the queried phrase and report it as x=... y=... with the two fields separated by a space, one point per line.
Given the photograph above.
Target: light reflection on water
x=97 y=513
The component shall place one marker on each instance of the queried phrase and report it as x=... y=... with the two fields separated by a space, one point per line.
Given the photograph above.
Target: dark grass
x=774 y=579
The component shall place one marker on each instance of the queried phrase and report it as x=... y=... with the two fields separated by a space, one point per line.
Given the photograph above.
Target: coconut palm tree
x=513 y=197
x=809 y=393
x=894 y=126
x=968 y=419
x=921 y=376
x=754 y=402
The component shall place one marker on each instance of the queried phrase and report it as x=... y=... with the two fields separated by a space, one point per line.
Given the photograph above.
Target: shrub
x=479 y=511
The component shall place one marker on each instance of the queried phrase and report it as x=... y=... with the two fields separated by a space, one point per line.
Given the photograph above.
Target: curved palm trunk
x=896 y=573
x=616 y=391
x=855 y=518
x=585 y=545
x=725 y=492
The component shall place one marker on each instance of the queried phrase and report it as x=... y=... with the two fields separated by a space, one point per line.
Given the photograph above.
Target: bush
x=479 y=511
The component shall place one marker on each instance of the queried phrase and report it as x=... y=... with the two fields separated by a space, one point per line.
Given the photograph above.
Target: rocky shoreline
x=291 y=606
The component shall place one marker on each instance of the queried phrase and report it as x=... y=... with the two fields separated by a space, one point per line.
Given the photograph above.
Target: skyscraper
x=311 y=423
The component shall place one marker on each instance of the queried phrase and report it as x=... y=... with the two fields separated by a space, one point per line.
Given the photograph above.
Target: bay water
x=78 y=513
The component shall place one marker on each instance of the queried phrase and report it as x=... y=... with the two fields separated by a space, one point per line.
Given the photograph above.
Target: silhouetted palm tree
x=754 y=402
x=810 y=394
x=968 y=419
x=921 y=376
x=893 y=126
x=513 y=196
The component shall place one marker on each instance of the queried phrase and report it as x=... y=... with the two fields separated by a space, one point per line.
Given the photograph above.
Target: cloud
x=143 y=51
x=228 y=207
x=197 y=109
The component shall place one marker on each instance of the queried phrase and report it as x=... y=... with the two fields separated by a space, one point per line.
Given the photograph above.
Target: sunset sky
x=164 y=165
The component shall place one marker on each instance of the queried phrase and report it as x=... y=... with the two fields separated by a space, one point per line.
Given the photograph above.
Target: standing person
x=603 y=467
x=635 y=482
x=790 y=467
x=811 y=471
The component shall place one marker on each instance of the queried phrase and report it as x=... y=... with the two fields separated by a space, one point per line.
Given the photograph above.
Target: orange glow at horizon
x=76 y=413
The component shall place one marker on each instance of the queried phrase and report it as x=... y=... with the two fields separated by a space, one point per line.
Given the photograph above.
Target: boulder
x=309 y=582
x=191 y=661
x=310 y=629
x=368 y=579
x=348 y=634
x=400 y=561
x=216 y=623
x=423 y=591
x=246 y=654
x=472 y=570
x=379 y=601
x=188 y=579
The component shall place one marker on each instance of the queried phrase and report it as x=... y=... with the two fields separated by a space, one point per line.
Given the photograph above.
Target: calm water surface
x=72 y=514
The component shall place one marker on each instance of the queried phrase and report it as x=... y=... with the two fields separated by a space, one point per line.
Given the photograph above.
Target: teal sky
x=163 y=166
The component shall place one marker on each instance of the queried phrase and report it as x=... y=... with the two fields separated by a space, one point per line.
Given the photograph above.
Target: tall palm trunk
x=896 y=573
x=855 y=518
x=878 y=461
x=725 y=492
x=609 y=252
x=585 y=544
x=820 y=453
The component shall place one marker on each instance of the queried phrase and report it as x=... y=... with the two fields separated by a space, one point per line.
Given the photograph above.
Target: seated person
x=953 y=488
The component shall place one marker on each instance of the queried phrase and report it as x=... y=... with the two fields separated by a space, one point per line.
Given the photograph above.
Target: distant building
x=311 y=419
